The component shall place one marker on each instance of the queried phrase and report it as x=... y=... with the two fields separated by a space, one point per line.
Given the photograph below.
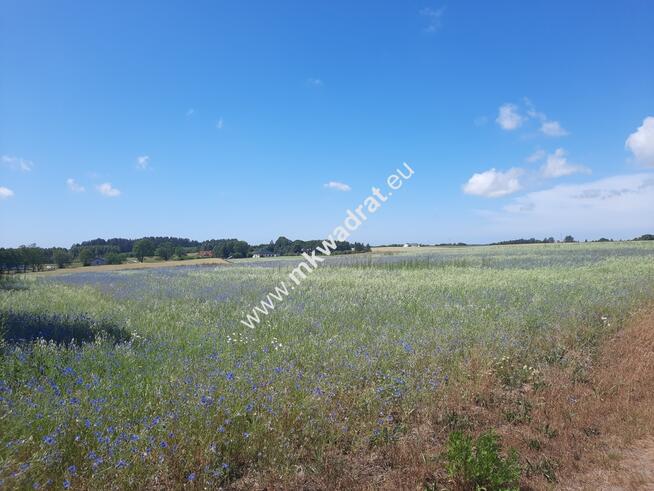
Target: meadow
x=186 y=396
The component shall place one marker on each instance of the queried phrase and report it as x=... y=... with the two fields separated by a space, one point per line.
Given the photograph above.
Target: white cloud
x=641 y=142
x=552 y=128
x=434 y=18
x=106 y=189
x=17 y=163
x=316 y=82
x=557 y=165
x=538 y=155
x=509 y=118
x=74 y=186
x=142 y=162
x=220 y=124
x=338 y=186
x=615 y=205
x=5 y=192
x=531 y=110
x=493 y=183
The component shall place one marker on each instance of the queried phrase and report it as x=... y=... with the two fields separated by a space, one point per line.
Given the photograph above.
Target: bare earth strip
x=154 y=265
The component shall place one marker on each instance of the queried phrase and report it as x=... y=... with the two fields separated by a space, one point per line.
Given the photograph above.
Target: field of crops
x=169 y=388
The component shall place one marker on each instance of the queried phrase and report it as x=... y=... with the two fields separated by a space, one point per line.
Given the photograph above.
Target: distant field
x=368 y=352
x=143 y=265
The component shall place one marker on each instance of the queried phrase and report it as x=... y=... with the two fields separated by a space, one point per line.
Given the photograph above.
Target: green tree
x=114 y=258
x=86 y=255
x=165 y=251
x=61 y=257
x=241 y=248
x=180 y=252
x=569 y=238
x=143 y=248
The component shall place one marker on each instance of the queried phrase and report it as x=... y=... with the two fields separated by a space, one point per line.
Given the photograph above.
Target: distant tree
x=165 y=251
x=33 y=256
x=283 y=246
x=180 y=252
x=114 y=258
x=86 y=255
x=241 y=248
x=61 y=257
x=568 y=239
x=143 y=248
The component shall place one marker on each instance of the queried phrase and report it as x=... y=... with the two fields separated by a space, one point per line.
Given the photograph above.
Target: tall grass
x=195 y=397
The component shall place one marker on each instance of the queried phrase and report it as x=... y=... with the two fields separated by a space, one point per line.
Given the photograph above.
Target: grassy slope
x=355 y=362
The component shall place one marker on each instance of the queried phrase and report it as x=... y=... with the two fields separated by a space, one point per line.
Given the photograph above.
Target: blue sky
x=228 y=119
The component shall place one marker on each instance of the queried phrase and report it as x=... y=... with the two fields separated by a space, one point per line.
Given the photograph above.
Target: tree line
x=118 y=250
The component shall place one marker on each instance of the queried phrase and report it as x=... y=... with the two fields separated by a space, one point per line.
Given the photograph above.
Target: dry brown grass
x=148 y=265
x=588 y=426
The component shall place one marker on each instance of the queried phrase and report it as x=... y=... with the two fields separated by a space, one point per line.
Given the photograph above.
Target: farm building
x=261 y=253
x=205 y=253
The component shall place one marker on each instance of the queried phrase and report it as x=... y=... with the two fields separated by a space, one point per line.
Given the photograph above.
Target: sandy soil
x=155 y=265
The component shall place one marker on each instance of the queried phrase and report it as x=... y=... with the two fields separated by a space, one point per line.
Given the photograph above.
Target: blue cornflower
x=191 y=477
x=121 y=464
x=163 y=444
x=221 y=429
x=66 y=484
x=230 y=376
x=48 y=439
x=72 y=469
x=249 y=408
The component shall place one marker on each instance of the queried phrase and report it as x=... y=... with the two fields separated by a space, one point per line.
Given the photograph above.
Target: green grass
x=195 y=395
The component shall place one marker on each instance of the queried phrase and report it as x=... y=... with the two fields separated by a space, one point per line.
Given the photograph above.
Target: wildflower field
x=148 y=379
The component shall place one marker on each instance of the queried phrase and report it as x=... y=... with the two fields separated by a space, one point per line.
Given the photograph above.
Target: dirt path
x=120 y=267
x=624 y=410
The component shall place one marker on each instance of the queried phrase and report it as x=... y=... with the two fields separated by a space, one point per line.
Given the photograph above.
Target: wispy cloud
x=17 y=163
x=610 y=205
x=190 y=112
x=538 y=155
x=493 y=183
x=641 y=142
x=74 y=186
x=106 y=189
x=552 y=128
x=557 y=165
x=509 y=117
x=338 y=186
x=434 y=18
x=315 y=82
x=220 y=124
x=5 y=192
x=142 y=162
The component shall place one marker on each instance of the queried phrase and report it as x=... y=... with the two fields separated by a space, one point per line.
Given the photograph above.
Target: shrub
x=479 y=465
x=64 y=329
x=114 y=258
